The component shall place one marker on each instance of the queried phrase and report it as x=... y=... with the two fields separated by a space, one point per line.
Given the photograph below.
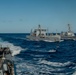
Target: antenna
x=39 y=26
x=56 y=31
x=69 y=29
x=31 y=30
x=47 y=30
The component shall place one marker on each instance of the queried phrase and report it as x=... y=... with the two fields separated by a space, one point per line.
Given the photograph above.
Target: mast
x=31 y=32
x=69 y=29
x=56 y=32
x=39 y=28
x=47 y=31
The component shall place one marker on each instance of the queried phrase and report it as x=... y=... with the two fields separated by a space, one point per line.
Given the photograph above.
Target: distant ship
x=6 y=62
x=69 y=35
x=40 y=34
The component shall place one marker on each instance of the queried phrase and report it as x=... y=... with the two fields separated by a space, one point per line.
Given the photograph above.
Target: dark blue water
x=41 y=58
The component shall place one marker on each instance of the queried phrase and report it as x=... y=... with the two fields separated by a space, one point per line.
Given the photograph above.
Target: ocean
x=40 y=58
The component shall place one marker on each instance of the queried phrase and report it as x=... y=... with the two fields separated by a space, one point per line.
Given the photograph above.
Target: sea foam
x=56 y=64
x=52 y=51
x=14 y=49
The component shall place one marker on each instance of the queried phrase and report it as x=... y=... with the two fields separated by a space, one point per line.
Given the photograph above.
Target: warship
x=7 y=66
x=41 y=34
x=69 y=35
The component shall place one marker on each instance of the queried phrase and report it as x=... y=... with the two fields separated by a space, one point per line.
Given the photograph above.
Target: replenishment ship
x=69 y=35
x=6 y=63
x=41 y=34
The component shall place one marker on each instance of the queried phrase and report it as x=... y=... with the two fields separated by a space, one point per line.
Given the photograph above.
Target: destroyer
x=69 y=35
x=6 y=62
x=40 y=34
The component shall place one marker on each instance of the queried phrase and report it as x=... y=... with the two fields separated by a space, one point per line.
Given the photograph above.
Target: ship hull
x=68 y=37
x=53 y=38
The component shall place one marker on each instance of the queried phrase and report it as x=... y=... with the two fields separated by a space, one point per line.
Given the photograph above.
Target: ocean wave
x=55 y=64
x=26 y=68
x=52 y=51
x=1 y=40
x=44 y=51
x=14 y=49
x=19 y=38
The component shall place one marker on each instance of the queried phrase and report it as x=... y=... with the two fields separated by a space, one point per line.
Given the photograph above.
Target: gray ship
x=6 y=62
x=40 y=34
x=69 y=35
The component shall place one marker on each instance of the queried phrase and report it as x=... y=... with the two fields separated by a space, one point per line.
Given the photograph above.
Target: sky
x=20 y=16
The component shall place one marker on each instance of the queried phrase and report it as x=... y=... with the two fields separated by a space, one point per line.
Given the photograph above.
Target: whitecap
x=14 y=49
x=52 y=51
x=56 y=64
x=36 y=69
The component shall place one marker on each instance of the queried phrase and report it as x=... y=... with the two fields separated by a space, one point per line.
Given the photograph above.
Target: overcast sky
x=20 y=16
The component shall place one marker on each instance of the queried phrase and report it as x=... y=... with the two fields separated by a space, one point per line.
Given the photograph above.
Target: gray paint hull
x=68 y=37
x=47 y=38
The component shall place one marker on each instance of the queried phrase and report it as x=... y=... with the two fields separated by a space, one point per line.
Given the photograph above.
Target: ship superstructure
x=41 y=34
x=69 y=35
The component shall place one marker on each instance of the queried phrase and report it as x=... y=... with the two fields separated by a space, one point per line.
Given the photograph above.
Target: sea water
x=39 y=57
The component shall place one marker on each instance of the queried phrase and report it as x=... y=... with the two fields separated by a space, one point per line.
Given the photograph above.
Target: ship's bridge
x=39 y=32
